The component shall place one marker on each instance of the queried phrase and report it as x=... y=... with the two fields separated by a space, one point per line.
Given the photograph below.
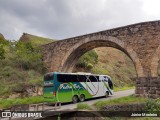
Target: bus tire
x=107 y=94
x=75 y=99
x=82 y=97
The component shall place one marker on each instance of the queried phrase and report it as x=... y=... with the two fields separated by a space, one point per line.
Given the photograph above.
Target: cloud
x=66 y=18
x=151 y=8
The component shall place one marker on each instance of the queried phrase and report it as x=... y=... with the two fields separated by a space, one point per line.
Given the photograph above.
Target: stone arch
x=89 y=43
x=155 y=62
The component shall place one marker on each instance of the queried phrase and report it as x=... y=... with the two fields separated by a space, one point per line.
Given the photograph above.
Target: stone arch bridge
x=140 y=42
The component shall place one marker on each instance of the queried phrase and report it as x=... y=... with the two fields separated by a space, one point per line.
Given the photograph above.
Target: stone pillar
x=148 y=87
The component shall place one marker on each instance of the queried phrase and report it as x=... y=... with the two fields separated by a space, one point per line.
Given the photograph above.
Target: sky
x=60 y=19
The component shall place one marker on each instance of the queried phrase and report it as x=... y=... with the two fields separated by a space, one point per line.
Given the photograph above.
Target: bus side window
x=72 y=78
x=61 y=78
x=81 y=78
x=67 y=78
x=93 y=79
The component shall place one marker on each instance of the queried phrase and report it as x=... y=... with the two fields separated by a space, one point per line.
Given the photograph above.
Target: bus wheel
x=82 y=98
x=107 y=94
x=75 y=99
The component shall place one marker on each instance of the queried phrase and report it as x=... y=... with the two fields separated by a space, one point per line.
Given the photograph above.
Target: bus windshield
x=48 y=77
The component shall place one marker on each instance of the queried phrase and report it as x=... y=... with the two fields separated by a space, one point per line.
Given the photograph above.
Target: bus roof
x=77 y=73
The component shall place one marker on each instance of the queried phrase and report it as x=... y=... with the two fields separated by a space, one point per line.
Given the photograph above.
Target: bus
x=75 y=87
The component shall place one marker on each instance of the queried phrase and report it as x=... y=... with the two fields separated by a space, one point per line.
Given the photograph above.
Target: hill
x=116 y=64
x=35 y=40
x=1 y=37
x=21 y=66
x=110 y=61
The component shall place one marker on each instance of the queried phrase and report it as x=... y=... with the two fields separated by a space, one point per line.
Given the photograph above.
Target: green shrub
x=11 y=74
x=89 y=66
x=153 y=105
x=2 y=52
x=29 y=57
x=88 y=60
x=3 y=43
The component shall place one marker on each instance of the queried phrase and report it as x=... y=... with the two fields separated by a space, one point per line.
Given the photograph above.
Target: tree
x=29 y=57
x=2 y=52
x=3 y=43
x=88 y=60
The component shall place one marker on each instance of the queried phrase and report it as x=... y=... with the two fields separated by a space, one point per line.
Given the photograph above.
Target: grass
x=5 y=103
x=36 y=40
x=11 y=79
x=123 y=100
x=123 y=88
x=83 y=106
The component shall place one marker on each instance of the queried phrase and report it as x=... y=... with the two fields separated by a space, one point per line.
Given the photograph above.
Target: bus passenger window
x=93 y=79
x=81 y=78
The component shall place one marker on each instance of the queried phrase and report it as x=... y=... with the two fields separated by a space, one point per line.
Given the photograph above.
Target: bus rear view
x=49 y=92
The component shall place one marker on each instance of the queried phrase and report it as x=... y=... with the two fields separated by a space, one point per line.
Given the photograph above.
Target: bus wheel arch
x=82 y=97
x=75 y=99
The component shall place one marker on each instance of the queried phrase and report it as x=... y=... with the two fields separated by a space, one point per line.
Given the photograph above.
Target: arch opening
x=112 y=62
x=79 y=51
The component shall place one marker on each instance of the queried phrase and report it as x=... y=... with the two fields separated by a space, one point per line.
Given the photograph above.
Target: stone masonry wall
x=148 y=87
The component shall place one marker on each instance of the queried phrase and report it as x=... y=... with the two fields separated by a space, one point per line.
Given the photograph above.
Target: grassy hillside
x=35 y=40
x=116 y=64
x=21 y=65
x=111 y=62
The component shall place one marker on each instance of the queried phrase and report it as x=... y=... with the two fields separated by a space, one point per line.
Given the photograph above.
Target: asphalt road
x=71 y=106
